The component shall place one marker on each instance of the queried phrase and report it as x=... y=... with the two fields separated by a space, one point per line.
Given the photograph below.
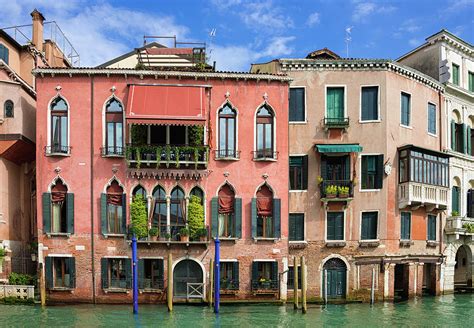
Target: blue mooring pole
x=135 y=275
x=217 y=275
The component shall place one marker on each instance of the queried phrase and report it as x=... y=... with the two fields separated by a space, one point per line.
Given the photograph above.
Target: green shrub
x=469 y=227
x=196 y=135
x=138 y=217
x=21 y=279
x=139 y=134
x=3 y=252
x=195 y=216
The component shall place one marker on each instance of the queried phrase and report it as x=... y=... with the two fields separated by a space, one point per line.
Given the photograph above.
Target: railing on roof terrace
x=23 y=35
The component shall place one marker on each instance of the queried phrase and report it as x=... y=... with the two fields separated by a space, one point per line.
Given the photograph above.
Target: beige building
x=17 y=140
x=368 y=180
x=450 y=60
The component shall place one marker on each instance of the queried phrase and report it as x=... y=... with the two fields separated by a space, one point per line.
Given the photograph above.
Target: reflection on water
x=450 y=310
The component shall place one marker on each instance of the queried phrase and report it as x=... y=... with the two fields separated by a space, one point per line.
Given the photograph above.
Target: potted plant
x=167 y=236
x=184 y=234
x=454 y=213
x=319 y=180
x=153 y=232
x=343 y=192
x=331 y=191
x=202 y=234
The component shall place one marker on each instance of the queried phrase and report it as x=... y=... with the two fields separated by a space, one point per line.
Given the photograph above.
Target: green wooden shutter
x=235 y=274
x=364 y=171
x=238 y=217
x=71 y=262
x=453 y=135
x=300 y=227
x=379 y=174
x=340 y=226
x=455 y=199
x=331 y=227
x=141 y=273
x=293 y=115
x=330 y=103
x=103 y=213
x=124 y=213
x=292 y=226
x=403 y=226
x=275 y=272
x=373 y=225
x=277 y=217
x=214 y=216
x=300 y=104
x=470 y=199
x=409 y=226
x=464 y=139
x=305 y=172
x=468 y=140
x=254 y=272
x=48 y=268
x=339 y=102
x=254 y=217
x=128 y=272
x=70 y=212
x=364 y=227
x=104 y=266
x=46 y=212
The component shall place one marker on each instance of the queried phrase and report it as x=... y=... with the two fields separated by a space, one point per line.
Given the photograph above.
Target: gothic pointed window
x=264 y=129
x=8 y=109
x=114 y=128
x=227 y=133
x=59 y=126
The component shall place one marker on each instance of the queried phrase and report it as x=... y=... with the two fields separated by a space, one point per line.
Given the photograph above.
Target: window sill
x=369 y=190
x=232 y=159
x=62 y=289
x=302 y=190
x=58 y=234
x=114 y=235
x=58 y=154
x=369 y=243
x=369 y=121
x=150 y=291
x=432 y=135
x=263 y=239
x=298 y=122
x=406 y=127
x=116 y=290
x=335 y=243
x=113 y=156
x=265 y=159
x=234 y=239
x=432 y=243
x=406 y=242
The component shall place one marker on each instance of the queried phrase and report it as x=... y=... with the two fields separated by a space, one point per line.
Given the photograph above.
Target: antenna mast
x=348 y=39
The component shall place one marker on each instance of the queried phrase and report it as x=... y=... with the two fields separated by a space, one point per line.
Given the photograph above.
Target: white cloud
x=414 y=42
x=365 y=9
x=313 y=19
x=265 y=15
x=410 y=26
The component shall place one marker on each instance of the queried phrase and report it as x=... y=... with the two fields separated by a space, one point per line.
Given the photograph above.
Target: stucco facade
x=87 y=174
x=382 y=136
x=439 y=57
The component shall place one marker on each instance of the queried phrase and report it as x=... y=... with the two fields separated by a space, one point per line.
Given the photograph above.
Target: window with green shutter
x=455 y=74
x=471 y=81
x=60 y=272
x=405 y=225
x=431 y=227
x=431 y=118
x=229 y=275
x=470 y=203
x=369 y=225
x=372 y=171
x=335 y=103
x=296 y=227
x=335 y=226
x=297 y=105
x=405 y=109
x=369 y=104
x=455 y=193
x=298 y=172
x=116 y=273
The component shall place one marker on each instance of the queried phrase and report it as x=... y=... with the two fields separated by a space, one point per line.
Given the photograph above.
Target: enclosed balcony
x=423 y=178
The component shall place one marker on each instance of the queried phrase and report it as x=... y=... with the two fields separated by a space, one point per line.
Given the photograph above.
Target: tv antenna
x=212 y=35
x=348 y=39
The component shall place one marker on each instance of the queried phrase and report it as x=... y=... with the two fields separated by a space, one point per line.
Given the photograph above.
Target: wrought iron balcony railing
x=265 y=154
x=57 y=150
x=336 y=122
x=227 y=154
x=113 y=151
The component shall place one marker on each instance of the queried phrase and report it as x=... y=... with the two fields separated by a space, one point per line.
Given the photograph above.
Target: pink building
x=105 y=135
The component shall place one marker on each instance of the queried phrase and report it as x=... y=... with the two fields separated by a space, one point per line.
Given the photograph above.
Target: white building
x=449 y=59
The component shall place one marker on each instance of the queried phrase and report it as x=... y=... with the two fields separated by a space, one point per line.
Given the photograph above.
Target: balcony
x=170 y=235
x=336 y=190
x=167 y=156
x=265 y=286
x=226 y=154
x=417 y=194
x=112 y=151
x=265 y=155
x=336 y=123
x=456 y=225
x=57 y=150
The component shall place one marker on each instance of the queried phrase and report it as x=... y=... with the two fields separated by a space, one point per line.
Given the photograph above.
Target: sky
x=250 y=31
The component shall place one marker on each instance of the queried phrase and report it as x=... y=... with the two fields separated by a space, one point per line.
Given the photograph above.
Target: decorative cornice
x=161 y=74
x=453 y=41
x=360 y=64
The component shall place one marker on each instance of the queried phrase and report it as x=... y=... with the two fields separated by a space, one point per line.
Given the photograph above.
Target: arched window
x=139 y=190
x=59 y=208
x=196 y=191
x=114 y=127
x=264 y=133
x=159 y=210
x=59 y=126
x=177 y=211
x=8 y=109
x=265 y=222
x=115 y=213
x=226 y=203
x=227 y=133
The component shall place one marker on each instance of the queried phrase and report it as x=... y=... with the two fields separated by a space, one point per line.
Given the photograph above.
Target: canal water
x=444 y=311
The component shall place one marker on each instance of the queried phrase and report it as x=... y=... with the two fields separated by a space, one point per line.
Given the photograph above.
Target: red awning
x=166 y=104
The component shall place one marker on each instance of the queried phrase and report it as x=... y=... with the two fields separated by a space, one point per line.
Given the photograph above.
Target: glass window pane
x=230 y=134
x=222 y=133
x=259 y=136
x=110 y=135
x=268 y=136
x=64 y=131
x=118 y=135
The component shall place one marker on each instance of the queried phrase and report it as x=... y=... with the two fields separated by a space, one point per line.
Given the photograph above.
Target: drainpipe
x=92 y=190
x=441 y=149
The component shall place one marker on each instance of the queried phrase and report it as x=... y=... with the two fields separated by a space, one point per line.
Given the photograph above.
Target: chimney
x=38 y=20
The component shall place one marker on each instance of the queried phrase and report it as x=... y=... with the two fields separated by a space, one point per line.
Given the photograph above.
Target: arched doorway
x=335 y=271
x=463 y=268
x=186 y=271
